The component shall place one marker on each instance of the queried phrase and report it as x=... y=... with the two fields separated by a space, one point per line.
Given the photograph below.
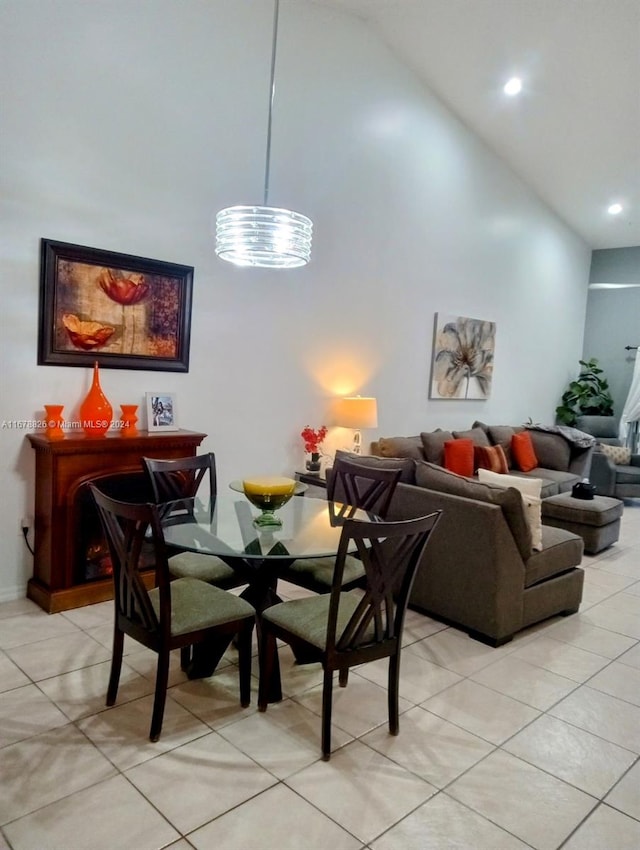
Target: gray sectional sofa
x=480 y=571
x=564 y=455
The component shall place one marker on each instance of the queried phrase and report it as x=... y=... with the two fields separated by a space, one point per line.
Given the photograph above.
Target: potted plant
x=588 y=395
x=312 y=442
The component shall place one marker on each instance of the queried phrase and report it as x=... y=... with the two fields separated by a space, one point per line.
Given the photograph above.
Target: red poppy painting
x=123 y=311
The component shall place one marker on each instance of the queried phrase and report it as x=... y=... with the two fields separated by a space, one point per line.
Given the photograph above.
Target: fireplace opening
x=92 y=560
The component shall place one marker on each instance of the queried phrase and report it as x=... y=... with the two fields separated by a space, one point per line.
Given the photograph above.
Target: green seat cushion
x=198 y=605
x=307 y=618
x=205 y=567
x=321 y=569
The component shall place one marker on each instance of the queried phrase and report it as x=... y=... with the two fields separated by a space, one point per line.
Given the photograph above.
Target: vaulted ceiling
x=573 y=133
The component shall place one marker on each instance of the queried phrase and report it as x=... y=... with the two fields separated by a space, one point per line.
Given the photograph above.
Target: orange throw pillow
x=523 y=452
x=458 y=457
x=491 y=457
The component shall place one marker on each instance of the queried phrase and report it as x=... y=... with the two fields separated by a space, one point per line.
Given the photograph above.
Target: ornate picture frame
x=123 y=311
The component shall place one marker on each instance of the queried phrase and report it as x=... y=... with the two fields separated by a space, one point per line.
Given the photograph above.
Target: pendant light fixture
x=264 y=237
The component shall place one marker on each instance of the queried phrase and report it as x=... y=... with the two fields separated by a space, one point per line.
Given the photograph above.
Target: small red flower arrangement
x=312 y=438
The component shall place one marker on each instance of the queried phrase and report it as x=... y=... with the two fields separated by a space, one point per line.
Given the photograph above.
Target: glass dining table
x=224 y=526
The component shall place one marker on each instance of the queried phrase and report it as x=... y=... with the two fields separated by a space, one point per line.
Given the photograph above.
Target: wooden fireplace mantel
x=62 y=467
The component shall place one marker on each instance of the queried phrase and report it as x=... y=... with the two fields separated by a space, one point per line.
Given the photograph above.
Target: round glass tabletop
x=310 y=528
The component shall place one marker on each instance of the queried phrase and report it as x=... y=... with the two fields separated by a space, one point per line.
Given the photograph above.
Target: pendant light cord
x=271 y=99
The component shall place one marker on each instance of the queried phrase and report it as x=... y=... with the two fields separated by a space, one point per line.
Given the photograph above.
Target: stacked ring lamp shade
x=264 y=236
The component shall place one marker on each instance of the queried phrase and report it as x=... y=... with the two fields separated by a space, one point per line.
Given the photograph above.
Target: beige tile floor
x=532 y=745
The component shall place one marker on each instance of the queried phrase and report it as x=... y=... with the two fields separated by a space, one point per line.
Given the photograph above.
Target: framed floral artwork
x=162 y=414
x=462 y=364
x=124 y=312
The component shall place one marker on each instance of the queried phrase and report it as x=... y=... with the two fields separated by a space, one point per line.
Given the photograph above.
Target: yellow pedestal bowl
x=268 y=494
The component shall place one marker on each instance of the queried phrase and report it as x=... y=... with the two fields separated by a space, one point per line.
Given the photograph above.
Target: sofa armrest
x=603 y=474
x=581 y=460
x=635 y=460
x=472 y=572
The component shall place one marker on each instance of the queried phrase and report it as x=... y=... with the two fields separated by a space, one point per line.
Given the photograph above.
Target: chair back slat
x=390 y=553
x=366 y=487
x=181 y=477
x=126 y=527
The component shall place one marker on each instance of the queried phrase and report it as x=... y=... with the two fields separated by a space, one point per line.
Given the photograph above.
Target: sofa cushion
x=434 y=477
x=491 y=457
x=552 y=450
x=477 y=435
x=404 y=464
x=527 y=485
x=401 y=447
x=628 y=475
x=561 y=551
x=553 y=480
x=500 y=435
x=522 y=452
x=530 y=489
x=433 y=444
x=619 y=455
x=458 y=456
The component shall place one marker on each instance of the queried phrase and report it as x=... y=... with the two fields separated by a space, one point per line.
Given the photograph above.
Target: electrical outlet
x=26 y=522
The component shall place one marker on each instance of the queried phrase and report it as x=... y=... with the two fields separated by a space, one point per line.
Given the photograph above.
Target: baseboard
x=10 y=594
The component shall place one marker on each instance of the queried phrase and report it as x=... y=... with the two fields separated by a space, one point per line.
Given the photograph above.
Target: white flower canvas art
x=462 y=365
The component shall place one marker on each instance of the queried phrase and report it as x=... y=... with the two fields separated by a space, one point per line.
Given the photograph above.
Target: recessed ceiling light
x=615 y=209
x=513 y=86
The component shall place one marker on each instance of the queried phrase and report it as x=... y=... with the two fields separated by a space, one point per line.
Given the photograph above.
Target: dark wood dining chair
x=182 y=478
x=342 y=629
x=171 y=615
x=358 y=486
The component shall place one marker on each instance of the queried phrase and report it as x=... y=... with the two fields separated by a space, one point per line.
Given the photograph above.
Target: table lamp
x=357 y=412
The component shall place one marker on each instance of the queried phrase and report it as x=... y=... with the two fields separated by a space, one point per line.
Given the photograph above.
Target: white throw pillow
x=530 y=489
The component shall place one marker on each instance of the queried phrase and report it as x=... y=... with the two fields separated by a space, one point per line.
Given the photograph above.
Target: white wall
x=613 y=318
x=128 y=123
x=616 y=266
x=612 y=323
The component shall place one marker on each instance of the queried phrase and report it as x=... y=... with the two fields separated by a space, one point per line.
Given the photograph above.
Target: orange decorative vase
x=95 y=410
x=128 y=420
x=53 y=416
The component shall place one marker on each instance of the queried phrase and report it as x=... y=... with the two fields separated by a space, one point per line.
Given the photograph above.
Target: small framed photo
x=161 y=412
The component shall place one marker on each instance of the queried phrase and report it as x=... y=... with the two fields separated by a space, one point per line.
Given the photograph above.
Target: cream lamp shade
x=357 y=412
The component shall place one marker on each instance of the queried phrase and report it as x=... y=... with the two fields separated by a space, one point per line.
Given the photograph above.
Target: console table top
x=112 y=441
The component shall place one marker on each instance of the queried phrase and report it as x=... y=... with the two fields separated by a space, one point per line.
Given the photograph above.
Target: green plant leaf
x=588 y=394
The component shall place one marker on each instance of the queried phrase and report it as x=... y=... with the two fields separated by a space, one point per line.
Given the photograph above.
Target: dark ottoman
x=596 y=520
